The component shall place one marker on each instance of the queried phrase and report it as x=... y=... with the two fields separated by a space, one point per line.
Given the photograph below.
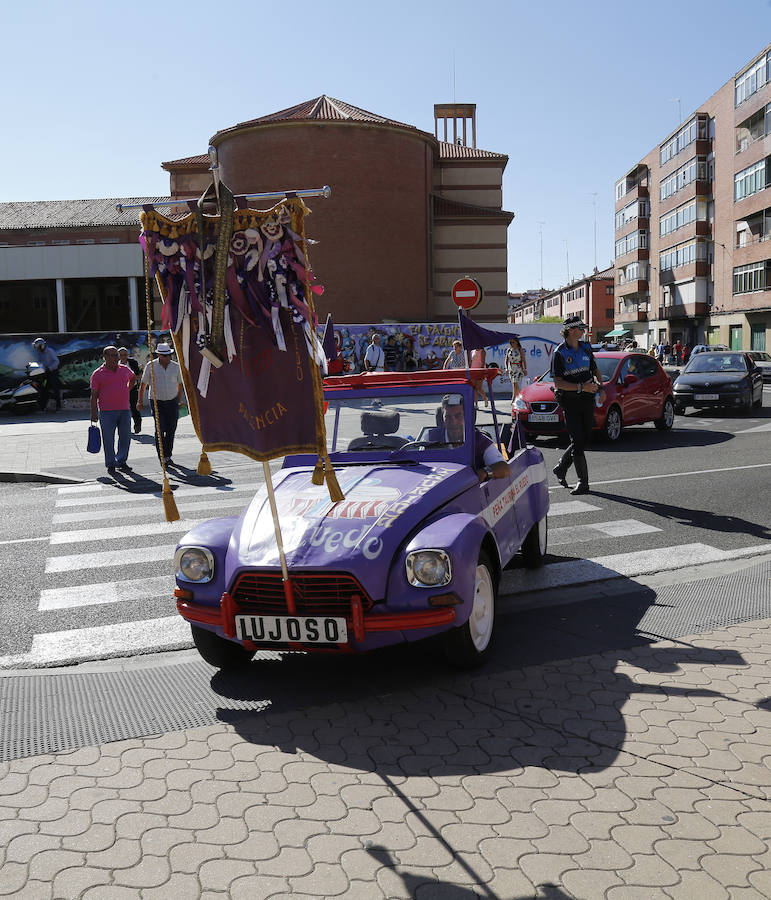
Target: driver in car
x=488 y=460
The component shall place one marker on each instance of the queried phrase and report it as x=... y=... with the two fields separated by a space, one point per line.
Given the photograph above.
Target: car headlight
x=428 y=568
x=732 y=387
x=195 y=564
x=519 y=403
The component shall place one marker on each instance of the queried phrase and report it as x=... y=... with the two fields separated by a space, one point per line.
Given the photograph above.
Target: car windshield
x=606 y=365
x=387 y=424
x=716 y=362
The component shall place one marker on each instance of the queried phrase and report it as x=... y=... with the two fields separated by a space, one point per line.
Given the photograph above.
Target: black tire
x=680 y=409
x=613 y=425
x=759 y=402
x=469 y=645
x=667 y=418
x=535 y=544
x=220 y=652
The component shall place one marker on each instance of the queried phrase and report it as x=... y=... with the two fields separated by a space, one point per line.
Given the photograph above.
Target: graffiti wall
x=414 y=347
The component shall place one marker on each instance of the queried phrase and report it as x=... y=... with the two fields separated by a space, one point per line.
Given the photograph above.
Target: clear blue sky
x=96 y=95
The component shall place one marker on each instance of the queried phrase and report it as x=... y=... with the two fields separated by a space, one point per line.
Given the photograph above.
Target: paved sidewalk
x=635 y=774
x=54 y=444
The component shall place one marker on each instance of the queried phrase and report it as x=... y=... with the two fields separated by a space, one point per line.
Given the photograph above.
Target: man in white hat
x=170 y=391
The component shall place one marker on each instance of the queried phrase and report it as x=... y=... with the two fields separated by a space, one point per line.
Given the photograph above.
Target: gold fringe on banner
x=169 y=503
x=318 y=472
x=204 y=466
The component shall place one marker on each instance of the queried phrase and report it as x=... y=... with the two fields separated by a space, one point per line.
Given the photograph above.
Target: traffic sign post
x=467 y=293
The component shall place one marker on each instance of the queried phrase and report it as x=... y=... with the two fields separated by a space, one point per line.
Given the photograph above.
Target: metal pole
x=324 y=192
x=279 y=542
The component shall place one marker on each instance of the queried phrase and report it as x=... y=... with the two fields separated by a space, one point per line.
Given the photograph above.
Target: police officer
x=576 y=380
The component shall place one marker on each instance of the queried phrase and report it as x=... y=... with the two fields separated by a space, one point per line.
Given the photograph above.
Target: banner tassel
x=335 y=494
x=318 y=472
x=204 y=466
x=169 y=503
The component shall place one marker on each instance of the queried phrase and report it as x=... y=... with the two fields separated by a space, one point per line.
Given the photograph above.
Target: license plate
x=706 y=396
x=280 y=629
x=543 y=417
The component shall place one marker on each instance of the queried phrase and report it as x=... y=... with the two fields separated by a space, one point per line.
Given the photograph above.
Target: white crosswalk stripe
x=117 y=576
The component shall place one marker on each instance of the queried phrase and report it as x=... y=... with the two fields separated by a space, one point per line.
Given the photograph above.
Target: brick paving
x=635 y=774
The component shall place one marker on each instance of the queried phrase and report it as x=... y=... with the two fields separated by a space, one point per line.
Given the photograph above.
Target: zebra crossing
x=108 y=584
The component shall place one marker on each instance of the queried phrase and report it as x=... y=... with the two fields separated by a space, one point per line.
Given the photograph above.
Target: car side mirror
x=674 y=373
x=630 y=379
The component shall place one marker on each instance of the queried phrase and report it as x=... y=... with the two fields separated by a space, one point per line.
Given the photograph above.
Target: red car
x=637 y=390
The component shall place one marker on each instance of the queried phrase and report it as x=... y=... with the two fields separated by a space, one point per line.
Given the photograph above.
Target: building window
x=27 y=306
x=753 y=277
x=753 y=79
x=695 y=169
x=753 y=129
x=752 y=179
x=634 y=241
x=758 y=336
x=609 y=313
x=683 y=254
x=683 y=215
x=713 y=335
x=99 y=304
x=696 y=129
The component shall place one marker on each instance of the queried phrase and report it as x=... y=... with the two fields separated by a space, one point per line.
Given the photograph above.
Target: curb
x=45 y=477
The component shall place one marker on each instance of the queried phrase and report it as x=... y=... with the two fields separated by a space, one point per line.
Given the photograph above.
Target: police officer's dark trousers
x=579 y=421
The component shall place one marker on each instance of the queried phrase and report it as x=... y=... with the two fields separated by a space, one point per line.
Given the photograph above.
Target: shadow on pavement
x=551 y=697
x=694 y=518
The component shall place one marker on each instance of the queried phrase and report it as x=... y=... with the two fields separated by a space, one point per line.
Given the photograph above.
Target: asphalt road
x=87 y=568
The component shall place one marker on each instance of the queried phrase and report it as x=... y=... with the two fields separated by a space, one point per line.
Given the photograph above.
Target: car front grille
x=315 y=594
x=546 y=407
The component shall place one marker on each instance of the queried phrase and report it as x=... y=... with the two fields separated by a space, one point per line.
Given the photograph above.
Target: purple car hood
x=382 y=503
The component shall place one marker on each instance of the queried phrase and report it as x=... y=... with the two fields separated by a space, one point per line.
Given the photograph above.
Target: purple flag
x=475 y=337
x=330 y=347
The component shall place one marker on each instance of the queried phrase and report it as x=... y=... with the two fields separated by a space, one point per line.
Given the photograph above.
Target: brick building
x=590 y=296
x=410 y=212
x=692 y=223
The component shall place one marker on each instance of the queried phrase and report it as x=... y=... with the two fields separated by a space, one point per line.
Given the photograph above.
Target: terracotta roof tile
x=71 y=213
x=201 y=161
x=325 y=109
x=453 y=208
x=448 y=150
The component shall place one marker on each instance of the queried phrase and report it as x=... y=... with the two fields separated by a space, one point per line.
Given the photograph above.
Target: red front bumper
x=224 y=615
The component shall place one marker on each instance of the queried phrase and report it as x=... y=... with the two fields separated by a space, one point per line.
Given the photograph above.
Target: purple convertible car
x=415 y=550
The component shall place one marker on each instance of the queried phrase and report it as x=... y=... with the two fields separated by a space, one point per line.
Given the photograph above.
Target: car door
x=756 y=378
x=652 y=391
x=630 y=396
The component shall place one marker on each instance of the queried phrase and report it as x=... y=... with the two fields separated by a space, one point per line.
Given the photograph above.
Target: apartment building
x=692 y=223
x=590 y=296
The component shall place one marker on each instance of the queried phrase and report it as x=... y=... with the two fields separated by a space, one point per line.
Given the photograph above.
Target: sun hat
x=163 y=350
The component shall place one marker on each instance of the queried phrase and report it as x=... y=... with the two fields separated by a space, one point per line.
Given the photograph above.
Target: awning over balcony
x=617 y=332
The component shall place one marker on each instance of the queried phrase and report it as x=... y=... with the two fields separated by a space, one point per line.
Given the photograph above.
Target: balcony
x=635 y=286
x=684 y=311
x=632 y=314
x=636 y=192
x=641 y=223
x=698 y=269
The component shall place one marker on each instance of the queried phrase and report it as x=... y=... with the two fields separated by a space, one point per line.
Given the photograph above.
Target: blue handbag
x=94 y=444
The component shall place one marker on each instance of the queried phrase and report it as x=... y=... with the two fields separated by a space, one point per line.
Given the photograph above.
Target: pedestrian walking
x=166 y=376
x=515 y=363
x=374 y=356
x=456 y=358
x=479 y=361
x=133 y=364
x=50 y=362
x=110 y=387
x=576 y=380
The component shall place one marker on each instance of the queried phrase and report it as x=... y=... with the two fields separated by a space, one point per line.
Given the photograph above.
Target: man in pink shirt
x=110 y=386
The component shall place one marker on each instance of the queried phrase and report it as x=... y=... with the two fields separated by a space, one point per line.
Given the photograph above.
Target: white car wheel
x=483 y=611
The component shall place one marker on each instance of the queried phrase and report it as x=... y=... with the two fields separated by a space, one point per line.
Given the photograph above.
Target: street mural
x=419 y=346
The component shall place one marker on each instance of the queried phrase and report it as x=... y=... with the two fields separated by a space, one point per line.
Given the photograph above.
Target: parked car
x=724 y=378
x=415 y=550
x=637 y=390
x=706 y=348
x=763 y=361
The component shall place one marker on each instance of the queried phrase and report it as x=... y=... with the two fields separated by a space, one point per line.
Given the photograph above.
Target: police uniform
x=579 y=367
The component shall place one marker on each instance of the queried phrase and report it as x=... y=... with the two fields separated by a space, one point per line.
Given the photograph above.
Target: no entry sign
x=467 y=293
